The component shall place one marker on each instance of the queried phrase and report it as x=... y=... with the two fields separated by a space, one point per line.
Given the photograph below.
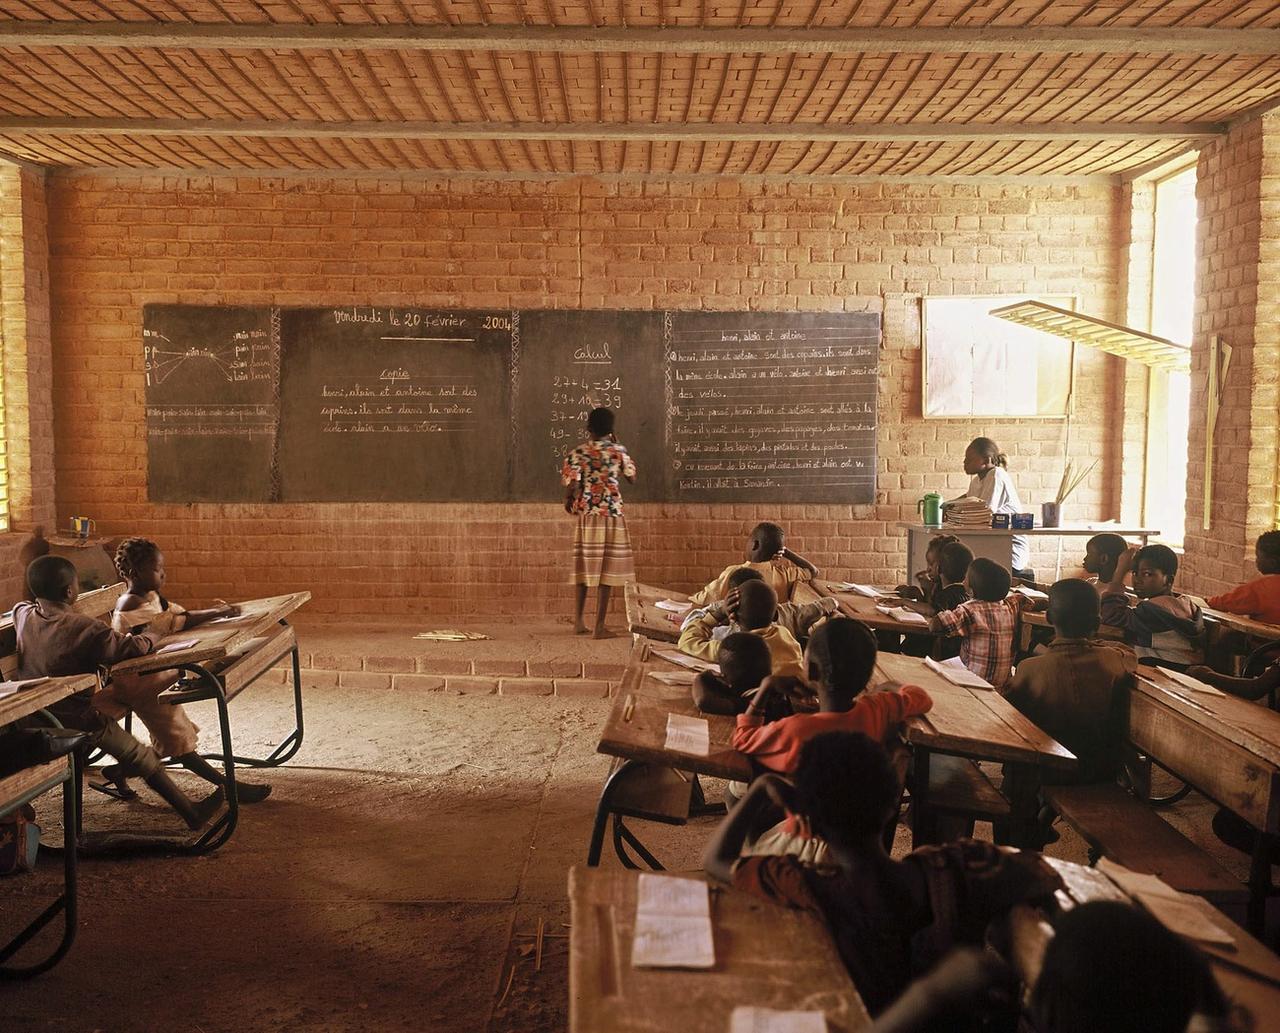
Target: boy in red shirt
x=840 y=661
x=1259 y=598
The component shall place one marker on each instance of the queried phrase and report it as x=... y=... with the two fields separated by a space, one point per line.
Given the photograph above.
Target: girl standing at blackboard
x=601 y=548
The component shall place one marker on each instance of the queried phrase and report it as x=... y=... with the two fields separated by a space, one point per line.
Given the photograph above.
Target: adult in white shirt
x=991 y=483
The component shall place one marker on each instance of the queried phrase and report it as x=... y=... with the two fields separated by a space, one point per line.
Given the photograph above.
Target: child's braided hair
x=132 y=553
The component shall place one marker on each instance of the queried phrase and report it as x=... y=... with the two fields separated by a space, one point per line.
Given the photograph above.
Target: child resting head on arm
x=767 y=553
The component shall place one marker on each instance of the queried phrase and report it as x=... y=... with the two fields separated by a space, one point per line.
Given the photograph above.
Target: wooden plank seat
x=958 y=786
x=635 y=789
x=1116 y=824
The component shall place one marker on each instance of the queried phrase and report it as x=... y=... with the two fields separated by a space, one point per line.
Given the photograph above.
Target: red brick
x=607 y=672
x=418 y=682
x=590 y=688
x=500 y=668
x=363 y=680
x=480 y=686
x=526 y=686
x=555 y=669
x=390 y=664
x=438 y=665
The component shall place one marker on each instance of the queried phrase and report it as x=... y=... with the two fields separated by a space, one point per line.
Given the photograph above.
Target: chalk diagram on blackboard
x=245 y=358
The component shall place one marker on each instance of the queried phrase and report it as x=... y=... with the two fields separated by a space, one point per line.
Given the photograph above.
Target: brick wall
x=121 y=240
x=24 y=330
x=1238 y=298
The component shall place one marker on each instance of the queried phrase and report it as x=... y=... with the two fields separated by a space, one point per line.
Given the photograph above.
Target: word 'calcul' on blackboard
x=386 y=404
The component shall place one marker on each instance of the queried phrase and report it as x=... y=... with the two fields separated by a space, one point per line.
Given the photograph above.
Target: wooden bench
x=1116 y=824
x=959 y=787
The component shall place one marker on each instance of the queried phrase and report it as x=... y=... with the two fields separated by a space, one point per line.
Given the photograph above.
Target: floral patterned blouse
x=596 y=467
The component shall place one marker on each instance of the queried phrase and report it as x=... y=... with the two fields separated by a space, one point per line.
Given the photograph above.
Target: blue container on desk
x=1023 y=521
x=1000 y=521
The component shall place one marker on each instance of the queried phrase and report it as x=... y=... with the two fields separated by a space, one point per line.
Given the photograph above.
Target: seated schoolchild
x=1101 y=554
x=839 y=663
x=767 y=553
x=140 y=564
x=1077 y=689
x=927 y=580
x=891 y=919
x=1110 y=967
x=797 y=618
x=757 y=607
x=745 y=663
x=54 y=640
x=1164 y=628
x=987 y=624
x=947 y=592
x=1259 y=598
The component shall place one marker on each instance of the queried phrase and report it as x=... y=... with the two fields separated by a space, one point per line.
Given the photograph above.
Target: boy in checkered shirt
x=987 y=623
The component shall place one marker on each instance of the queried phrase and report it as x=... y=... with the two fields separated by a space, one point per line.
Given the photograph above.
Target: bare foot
x=581 y=629
x=603 y=632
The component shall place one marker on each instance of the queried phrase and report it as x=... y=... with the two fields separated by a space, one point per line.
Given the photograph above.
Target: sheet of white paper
x=867 y=590
x=173 y=647
x=685 y=660
x=673 y=924
x=673 y=677
x=901 y=613
x=688 y=735
x=667 y=895
x=748 y=1019
x=673 y=605
x=231 y=620
x=9 y=688
x=955 y=672
x=1191 y=683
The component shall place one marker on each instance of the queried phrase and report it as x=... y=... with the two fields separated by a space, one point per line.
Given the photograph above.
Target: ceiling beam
x=987 y=39
x=644 y=131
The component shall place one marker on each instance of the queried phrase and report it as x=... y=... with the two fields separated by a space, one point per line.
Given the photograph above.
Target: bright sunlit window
x=1173 y=298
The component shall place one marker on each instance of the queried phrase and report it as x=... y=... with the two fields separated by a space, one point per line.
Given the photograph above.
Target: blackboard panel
x=772 y=407
x=393 y=404
x=568 y=363
x=211 y=392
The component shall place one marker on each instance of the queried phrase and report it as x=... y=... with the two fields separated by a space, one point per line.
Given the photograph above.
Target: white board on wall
x=978 y=365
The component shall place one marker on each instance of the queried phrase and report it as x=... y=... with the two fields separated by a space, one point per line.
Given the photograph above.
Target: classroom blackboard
x=381 y=404
x=570 y=362
x=394 y=404
x=212 y=402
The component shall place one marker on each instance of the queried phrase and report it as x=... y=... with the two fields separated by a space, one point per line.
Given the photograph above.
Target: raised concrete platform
x=520 y=657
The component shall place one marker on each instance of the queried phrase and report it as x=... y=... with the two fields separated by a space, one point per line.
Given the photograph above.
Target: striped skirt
x=602 y=551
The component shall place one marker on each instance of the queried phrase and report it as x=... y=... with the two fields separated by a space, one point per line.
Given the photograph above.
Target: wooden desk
x=766 y=956
x=215 y=641
x=24 y=786
x=642 y=735
x=859 y=607
x=1237 y=971
x=979 y=724
x=1234 y=622
x=1228 y=748
x=643 y=618
x=997 y=545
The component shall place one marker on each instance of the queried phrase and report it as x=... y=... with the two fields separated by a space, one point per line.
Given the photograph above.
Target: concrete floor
x=392 y=882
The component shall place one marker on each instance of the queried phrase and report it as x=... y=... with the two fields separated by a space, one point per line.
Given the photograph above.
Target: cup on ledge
x=82 y=526
x=1050 y=514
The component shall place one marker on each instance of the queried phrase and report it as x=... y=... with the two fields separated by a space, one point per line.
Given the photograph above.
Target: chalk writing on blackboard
x=780 y=408
x=242 y=356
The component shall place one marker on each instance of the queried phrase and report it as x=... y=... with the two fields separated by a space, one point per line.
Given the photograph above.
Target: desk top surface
x=1255 y=628
x=766 y=956
x=978 y=723
x=28 y=701
x=215 y=640
x=1066 y=529
x=1249 y=725
x=644 y=618
x=859 y=607
x=636 y=727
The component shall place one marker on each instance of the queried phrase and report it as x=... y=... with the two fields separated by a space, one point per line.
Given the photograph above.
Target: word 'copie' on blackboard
x=393 y=404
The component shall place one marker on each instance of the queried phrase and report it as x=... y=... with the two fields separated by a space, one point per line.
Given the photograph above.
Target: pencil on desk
x=628 y=708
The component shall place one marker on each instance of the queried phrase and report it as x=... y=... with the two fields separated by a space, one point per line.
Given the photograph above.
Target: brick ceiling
x=760 y=87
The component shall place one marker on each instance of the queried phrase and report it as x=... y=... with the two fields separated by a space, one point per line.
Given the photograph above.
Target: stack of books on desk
x=967 y=512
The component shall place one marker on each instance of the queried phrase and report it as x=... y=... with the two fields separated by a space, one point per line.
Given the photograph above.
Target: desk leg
x=924 y=825
x=1022 y=787
x=1260 y=887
